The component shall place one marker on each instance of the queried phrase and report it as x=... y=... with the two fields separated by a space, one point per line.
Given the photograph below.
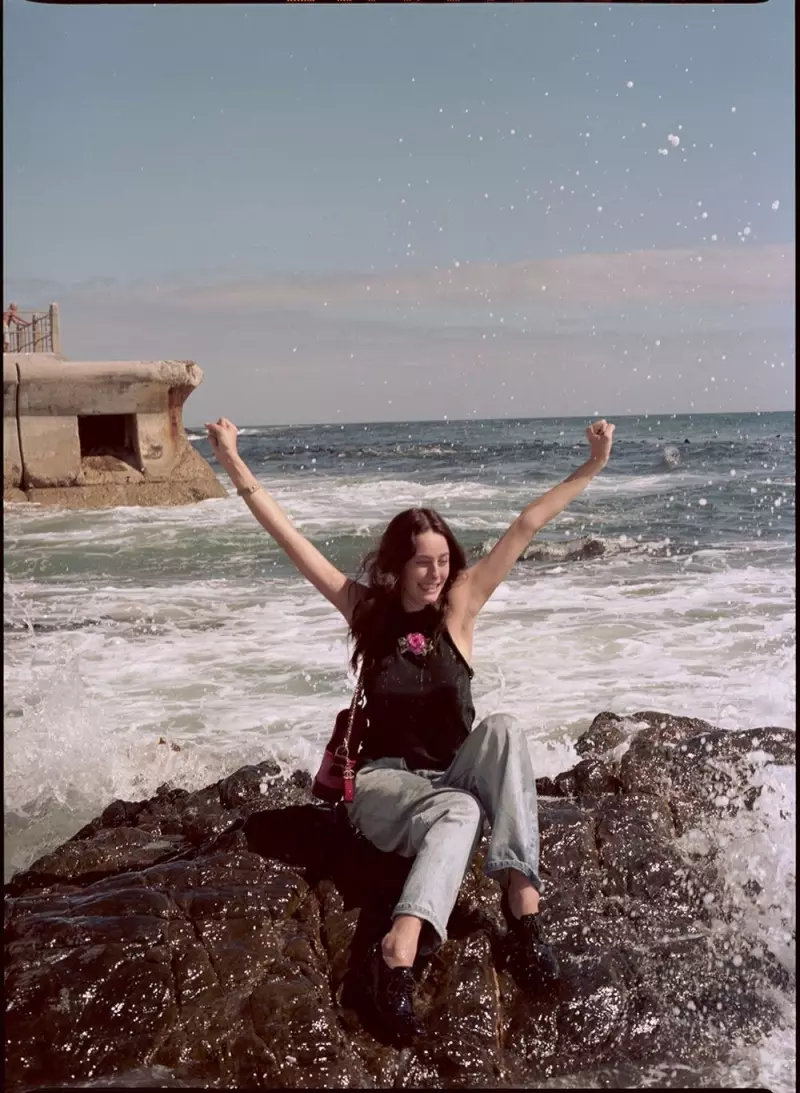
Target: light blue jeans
x=438 y=817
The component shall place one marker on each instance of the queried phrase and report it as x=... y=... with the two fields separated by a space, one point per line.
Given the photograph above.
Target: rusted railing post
x=55 y=329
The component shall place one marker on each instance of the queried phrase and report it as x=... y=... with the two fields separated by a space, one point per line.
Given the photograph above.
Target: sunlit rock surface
x=215 y=938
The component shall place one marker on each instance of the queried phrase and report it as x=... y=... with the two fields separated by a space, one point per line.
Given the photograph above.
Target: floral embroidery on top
x=417 y=644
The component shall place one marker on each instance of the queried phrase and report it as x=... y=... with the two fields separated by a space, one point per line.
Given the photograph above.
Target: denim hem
x=419 y=912
x=500 y=865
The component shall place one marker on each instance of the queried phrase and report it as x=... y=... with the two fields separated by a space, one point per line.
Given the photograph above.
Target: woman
x=428 y=779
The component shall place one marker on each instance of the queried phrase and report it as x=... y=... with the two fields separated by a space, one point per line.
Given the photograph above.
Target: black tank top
x=418 y=704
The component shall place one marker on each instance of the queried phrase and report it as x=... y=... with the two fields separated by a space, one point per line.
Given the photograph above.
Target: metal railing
x=39 y=331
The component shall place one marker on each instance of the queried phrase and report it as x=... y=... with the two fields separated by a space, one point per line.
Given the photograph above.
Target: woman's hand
x=600 y=436
x=222 y=435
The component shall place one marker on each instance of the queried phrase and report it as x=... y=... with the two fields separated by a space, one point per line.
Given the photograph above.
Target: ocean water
x=146 y=645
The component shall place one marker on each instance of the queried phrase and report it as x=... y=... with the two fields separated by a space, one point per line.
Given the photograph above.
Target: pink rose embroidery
x=417 y=644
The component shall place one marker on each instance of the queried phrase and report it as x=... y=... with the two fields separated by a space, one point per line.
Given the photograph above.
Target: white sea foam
x=326 y=505
x=235 y=671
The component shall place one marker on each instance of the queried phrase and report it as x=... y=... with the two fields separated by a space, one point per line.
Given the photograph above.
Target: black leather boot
x=392 y=993
x=534 y=960
x=530 y=958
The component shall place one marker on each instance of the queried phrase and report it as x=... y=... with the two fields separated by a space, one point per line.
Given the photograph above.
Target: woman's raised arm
x=489 y=572
x=340 y=590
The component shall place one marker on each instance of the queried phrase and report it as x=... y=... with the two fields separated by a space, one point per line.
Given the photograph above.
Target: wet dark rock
x=604 y=733
x=216 y=938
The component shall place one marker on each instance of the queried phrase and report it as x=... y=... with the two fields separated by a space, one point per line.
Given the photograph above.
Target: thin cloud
x=711 y=275
x=565 y=290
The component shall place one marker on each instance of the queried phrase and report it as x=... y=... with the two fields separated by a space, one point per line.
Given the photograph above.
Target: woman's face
x=424 y=575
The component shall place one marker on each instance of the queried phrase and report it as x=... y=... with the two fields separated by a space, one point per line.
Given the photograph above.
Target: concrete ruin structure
x=98 y=434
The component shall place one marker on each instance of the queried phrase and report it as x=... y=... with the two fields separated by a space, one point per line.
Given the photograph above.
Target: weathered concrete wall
x=44 y=398
x=12 y=460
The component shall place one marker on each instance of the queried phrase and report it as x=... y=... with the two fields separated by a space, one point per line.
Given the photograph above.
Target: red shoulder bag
x=335 y=779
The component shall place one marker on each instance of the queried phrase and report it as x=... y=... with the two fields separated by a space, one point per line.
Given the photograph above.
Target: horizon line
x=472 y=420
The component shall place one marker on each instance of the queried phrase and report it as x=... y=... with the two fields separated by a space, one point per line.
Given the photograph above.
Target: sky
x=403 y=212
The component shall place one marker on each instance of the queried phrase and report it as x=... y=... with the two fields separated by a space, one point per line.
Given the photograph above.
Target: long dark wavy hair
x=383 y=569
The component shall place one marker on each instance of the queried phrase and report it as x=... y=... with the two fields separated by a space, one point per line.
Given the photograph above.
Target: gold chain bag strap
x=335 y=779
x=349 y=772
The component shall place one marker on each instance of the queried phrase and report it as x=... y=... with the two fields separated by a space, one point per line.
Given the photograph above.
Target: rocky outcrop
x=215 y=938
x=97 y=434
